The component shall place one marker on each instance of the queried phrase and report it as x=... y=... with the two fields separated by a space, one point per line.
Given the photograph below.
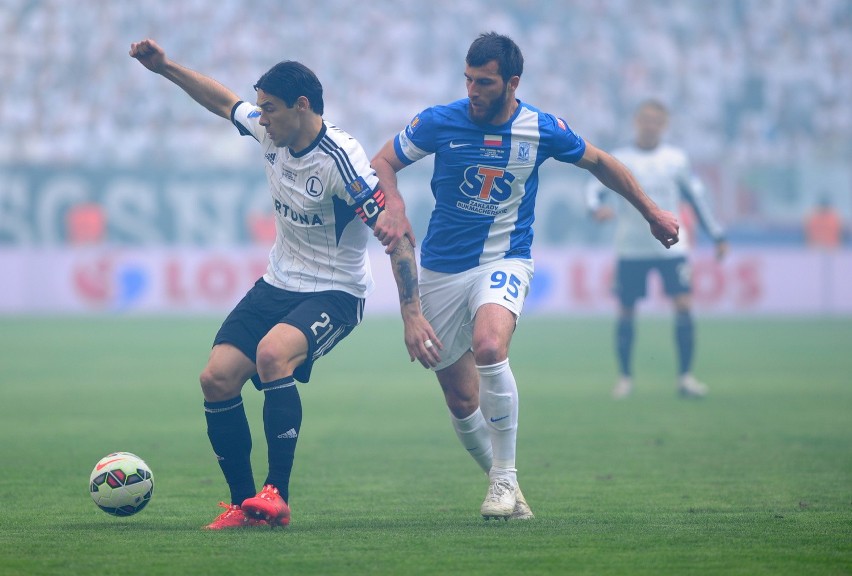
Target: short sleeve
x=246 y=117
x=417 y=140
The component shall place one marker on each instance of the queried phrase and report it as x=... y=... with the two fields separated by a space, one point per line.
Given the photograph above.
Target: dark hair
x=288 y=80
x=493 y=46
x=653 y=103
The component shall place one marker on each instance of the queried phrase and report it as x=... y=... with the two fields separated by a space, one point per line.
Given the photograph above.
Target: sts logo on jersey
x=486 y=186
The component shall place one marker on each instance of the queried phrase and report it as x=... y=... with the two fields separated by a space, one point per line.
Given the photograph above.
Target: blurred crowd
x=762 y=79
x=749 y=81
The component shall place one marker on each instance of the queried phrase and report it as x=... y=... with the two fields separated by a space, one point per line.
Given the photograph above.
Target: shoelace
x=228 y=509
x=498 y=488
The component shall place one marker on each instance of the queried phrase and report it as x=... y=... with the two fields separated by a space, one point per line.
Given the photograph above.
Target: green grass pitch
x=755 y=479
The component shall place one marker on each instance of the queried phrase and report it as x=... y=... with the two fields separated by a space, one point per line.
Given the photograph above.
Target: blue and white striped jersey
x=320 y=242
x=484 y=182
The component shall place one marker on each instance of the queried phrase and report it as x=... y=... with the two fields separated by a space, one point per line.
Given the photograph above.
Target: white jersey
x=320 y=242
x=666 y=177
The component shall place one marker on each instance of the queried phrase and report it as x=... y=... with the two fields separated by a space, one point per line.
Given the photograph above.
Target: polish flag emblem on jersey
x=493 y=140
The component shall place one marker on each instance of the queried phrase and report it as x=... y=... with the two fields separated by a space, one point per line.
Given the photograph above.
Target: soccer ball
x=121 y=484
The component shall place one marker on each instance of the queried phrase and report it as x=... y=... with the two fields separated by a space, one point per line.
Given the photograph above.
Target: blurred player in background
x=665 y=175
x=476 y=259
x=312 y=294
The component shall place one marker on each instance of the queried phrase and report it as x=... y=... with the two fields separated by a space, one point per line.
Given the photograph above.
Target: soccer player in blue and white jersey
x=476 y=260
x=665 y=174
x=312 y=294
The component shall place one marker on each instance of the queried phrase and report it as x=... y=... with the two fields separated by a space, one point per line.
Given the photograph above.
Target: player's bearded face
x=484 y=111
x=487 y=92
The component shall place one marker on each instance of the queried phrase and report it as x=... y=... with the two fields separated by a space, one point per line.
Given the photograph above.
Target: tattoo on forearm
x=407 y=282
x=405 y=268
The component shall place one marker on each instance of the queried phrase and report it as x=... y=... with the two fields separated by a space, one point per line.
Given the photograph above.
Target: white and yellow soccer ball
x=121 y=484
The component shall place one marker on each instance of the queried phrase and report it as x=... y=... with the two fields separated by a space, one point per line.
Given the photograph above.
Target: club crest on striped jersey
x=523 y=151
x=313 y=187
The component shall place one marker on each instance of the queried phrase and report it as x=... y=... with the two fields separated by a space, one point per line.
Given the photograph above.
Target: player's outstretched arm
x=392 y=224
x=206 y=91
x=420 y=339
x=615 y=176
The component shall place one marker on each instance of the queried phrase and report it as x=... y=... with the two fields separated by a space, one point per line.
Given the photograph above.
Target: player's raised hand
x=149 y=54
x=664 y=227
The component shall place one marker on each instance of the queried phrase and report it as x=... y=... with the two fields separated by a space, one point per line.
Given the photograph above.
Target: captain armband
x=370 y=207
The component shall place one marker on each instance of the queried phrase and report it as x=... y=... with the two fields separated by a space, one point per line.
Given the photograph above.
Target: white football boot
x=500 y=500
x=522 y=509
x=623 y=388
x=689 y=387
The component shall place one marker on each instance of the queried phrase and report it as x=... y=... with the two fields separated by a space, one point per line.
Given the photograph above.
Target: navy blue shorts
x=325 y=318
x=631 y=278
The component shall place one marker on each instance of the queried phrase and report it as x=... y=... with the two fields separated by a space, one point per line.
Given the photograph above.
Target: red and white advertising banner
x=567 y=281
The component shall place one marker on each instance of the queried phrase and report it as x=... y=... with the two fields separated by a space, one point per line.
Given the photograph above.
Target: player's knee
x=683 y=302
x=461 y=406
x=488 y=350
x=683 y=317
x=461 y=400
x=216 y=387
x=274 y=362
x=268 y=358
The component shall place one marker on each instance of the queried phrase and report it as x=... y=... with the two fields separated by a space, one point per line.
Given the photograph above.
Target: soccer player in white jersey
x=312 y=294
x=476 y=261
x=665 y=174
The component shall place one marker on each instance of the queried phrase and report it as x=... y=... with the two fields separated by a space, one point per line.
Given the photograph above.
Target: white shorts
x=450 y=301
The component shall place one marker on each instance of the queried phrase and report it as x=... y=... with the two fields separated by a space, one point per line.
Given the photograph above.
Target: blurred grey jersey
x=666 y=176
x=320 y=242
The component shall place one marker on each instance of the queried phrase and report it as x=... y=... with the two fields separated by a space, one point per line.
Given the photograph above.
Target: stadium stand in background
x=760 y=91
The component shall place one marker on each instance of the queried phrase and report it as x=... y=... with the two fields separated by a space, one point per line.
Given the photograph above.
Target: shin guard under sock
x=282 y=420
x=498 y=399
x=228 y=430
x=472 y=432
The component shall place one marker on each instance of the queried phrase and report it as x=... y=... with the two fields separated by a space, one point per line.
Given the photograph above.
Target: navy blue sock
x=282 y=419
x=624 y=343
x=228 y=430
x=685 y=338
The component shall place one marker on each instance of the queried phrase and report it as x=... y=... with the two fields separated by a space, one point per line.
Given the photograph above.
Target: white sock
x=498 y=399
x=473 y=433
